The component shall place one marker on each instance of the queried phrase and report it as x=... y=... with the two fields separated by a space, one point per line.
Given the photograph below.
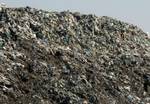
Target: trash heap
x=71 y=58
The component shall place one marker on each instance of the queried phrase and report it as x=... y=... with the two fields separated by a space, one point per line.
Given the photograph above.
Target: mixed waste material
x=71 y=58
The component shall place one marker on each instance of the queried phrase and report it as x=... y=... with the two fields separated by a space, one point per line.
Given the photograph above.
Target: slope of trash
x=71 y=58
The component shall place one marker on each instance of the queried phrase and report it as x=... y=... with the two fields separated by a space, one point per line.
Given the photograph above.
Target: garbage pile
x=71 y=58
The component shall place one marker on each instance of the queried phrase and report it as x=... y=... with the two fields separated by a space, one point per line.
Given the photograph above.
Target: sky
x=135 y=12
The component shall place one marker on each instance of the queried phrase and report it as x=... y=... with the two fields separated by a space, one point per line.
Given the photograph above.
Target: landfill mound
x=71 y=58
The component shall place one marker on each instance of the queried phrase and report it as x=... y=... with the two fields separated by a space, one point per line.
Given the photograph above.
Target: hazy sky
x=132 y=11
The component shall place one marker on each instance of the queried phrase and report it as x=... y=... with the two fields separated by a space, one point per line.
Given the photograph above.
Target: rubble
x=71 y=58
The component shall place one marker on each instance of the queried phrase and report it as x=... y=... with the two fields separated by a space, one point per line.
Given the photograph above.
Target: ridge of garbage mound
x=71 y=58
